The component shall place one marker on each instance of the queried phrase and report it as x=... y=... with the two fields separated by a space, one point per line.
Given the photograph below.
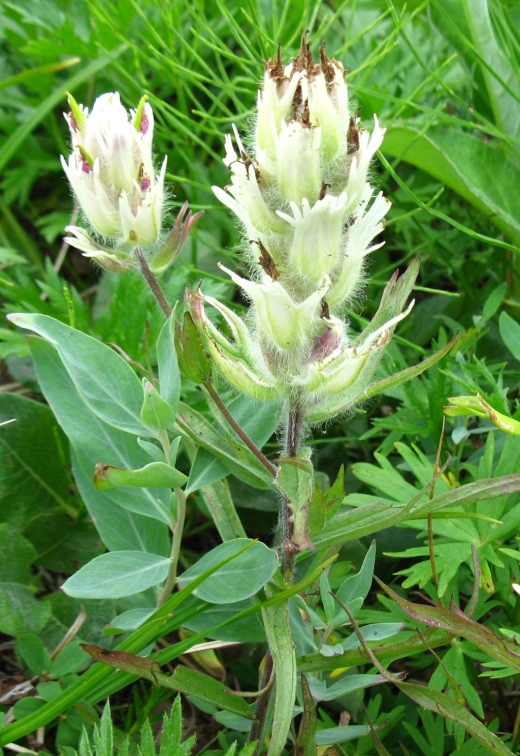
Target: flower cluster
x=309 y=217
x=112 y=174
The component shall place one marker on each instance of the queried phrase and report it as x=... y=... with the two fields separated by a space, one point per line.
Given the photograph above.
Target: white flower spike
x=111 y=171
x=309 y=220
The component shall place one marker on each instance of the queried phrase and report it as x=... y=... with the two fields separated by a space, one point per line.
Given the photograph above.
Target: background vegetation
x=443 y=77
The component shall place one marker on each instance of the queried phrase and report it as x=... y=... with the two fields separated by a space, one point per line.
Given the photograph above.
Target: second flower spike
x=111 y=171
x=112 y=174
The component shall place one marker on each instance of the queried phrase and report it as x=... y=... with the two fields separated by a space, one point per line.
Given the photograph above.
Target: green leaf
x=30 y=649
x=241 y=578
x=154 y=475
x=155 y=410
x=69 y=660
x=479 y=171
x=33 y=454
x=378 y=515
x=187 y=681
x=118 y=514
x=348 y=684
x=379 y=387
x=281 y=646
x=172 y=733
x=333 y=735
x=20 y=612
x=358 y=586
x=249 y=630
x=237 y=458
x=105 y=381
x=117 y=574
x=257 y=420
x=98 y=682
x=510 y=333
x=481 y=636
x=499 y=72
x=217 y=498
x=169 y=374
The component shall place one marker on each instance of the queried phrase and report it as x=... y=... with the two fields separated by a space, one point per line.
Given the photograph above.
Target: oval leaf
x=106 y=382
x=117 y=574
x=240 y=578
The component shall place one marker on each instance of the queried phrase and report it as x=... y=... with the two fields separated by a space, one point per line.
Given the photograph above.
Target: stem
x=431 y=549
x=153 y=283
x=166 y=446
x=292 y=443
x=257 y=730
x=238 y=430
x=176 y=548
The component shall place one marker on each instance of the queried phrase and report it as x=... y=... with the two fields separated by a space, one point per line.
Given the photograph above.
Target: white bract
x=309 y=219
x=112 y=175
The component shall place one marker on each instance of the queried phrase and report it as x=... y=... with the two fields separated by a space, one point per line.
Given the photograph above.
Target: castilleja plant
x=309 y=217
x=111 y=171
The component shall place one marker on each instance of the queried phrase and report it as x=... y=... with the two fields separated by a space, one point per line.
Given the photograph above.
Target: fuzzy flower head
x=112 y=175
x=309 y=217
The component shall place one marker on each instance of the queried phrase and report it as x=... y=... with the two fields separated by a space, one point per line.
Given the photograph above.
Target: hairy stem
x=238 y=430
x=292 y=444
x=176 y=548
x=153 y=283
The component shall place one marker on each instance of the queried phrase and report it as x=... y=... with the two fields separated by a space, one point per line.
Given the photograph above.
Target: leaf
x=348 y=684
x=172 y=733
x=237 y=458
x=356 y=586
x=169 y=374
x=117 y=574
x=439 y=703
x=378 y=515
x=217 y=498
x=378 y=631
x=249 y=630
x=241 y=578
x=499 y=72
x=334 y=735
x=309 y=721
x=510 y=333
x=20 y=612
x=380 y=387
x=458 y=624
x=479 y=171
x=108 y=385
x=118 y=514
x=30 y=649
x=257 y=420
x=154 y=475
x=33 y=454
x=281 y=646
x=187 y=681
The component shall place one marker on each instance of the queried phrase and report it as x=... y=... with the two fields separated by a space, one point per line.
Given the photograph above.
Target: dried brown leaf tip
x=353 y=135
x=275 y=68
x=266 y=262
